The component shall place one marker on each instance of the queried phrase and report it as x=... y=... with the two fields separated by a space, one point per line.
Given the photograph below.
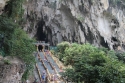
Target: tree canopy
x=91 y=64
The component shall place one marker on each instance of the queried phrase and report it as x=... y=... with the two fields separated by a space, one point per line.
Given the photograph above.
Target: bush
x=61 y=49
x=6 y=62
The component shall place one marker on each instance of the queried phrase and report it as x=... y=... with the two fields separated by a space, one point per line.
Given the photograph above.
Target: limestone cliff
x=98 y=22
x=82 y=21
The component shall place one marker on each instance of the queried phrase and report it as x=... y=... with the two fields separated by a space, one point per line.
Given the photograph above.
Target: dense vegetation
x=13 y=40
x=90 y=64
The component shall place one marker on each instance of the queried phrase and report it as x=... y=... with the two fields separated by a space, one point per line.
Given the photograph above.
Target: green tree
x=92 y=65
x=61 y=49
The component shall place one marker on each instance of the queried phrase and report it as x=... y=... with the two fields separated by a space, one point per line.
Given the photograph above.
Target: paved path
x=36 y=75
x=53 y=62
x=44 y=64
x=47 y=64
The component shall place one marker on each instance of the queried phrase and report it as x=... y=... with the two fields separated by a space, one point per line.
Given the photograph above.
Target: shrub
x=61 y=49
x=6 y=61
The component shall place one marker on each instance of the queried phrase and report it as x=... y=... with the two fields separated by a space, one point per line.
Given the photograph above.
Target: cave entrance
x=103 y=43
x=41 y=34
x=40 y=47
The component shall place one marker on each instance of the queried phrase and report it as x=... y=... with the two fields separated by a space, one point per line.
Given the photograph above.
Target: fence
x=53 y=48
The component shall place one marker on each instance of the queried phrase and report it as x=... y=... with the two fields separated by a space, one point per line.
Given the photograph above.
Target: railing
x=48 y=77
x=53 y=68
x=48 y=73
x=56 y=61
x=38 y=72
x=40 y=43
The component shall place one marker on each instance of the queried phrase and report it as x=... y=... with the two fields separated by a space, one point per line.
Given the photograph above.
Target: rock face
x=84 y=21
x=2 y=5
x=13 y=72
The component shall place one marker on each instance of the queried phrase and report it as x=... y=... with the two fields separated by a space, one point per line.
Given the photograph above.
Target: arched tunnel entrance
x=40 y=47
x=44 y=33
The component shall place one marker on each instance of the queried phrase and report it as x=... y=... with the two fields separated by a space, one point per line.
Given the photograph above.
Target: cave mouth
x=103 y=43
x=114 y=39
x=40 y=47
x=41 y=33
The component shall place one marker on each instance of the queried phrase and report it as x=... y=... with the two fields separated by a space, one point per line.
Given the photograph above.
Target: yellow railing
x=38 y=72
x=48 y=73
x=56 y=61
x=49 y=77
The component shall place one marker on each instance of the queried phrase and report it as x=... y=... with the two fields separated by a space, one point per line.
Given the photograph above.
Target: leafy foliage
x=6 y=29
x=91 y=64
x=21 y=44
x=14 y=10
x=61 y=49
x=16 y=42
x=121 y=56
x=6 y=62
x=80 y=18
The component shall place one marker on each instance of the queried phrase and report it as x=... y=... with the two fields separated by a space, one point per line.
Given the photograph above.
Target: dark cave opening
x=103 y=43
x=44 y=33
x=41 y=34
x=115 y=46
x=49 y=35
x=114 y=39
x=40 y=47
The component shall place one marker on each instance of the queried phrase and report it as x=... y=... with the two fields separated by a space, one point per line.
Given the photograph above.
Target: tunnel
x=40 y=47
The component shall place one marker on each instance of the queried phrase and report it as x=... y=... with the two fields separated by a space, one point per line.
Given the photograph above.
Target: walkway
x=45 y=63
